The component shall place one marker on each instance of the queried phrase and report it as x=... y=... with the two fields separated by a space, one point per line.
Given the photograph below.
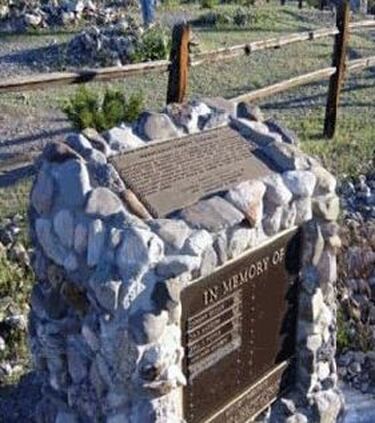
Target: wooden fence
x=181 y=60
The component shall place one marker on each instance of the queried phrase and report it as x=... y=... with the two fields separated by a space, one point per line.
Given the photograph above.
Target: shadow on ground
x=17 y=402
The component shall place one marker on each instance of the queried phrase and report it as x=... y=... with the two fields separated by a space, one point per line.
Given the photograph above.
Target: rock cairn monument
x=186 y=269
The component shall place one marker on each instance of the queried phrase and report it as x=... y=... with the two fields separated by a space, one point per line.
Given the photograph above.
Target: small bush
x=154 y=45
x=86 y=109
x=209 y=4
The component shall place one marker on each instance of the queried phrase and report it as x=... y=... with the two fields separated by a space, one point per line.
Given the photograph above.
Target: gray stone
x=172 y=266
x=63 y=224
x=300 y=182
x=156 y=126
x=289 y=216
x=197 y=242
x=49 y=242
x=212 y=214
x=42 y=193
x=297 y=418
x=172 y=232
x=277 y=194
x=272 y=221
x=96 y=239
x=59 y=152
x=73 y=184
x=328 y=406
x=66 y=417
x=248 y=197
x=220 y=104
x=80 y=144
x=287 y=135
x=326 y=207
x=71 y=263
x=102 y=202
x=286 y=157
x=147 y=327
x=256 y=132
x=221 y=247
x=184 y=116
x=139 y=249
x=80 y=238
x=215 y=120
x=313 y=243
x=249 y=111
x=96 y=157
x=122 y=417
x=123 y=139
x=166 y=294
x=325 y=182
x=239 y=239
x=115 y=237
x=107 y=294
x=327 y=267
x=304 y=210
x=209 y=261
x=77 y=364
x=97 y=141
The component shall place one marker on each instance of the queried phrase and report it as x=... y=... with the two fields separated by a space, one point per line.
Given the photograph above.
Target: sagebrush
x=88 y=109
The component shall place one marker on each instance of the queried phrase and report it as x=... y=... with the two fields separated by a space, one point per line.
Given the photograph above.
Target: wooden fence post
x=339 y=62
x=179 y=68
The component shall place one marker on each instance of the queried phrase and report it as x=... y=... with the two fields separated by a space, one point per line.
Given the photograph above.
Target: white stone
x=325 y=182
x=300 y=182
x=272 y=221
x=73 y=183
x=326 y=206
x=103 y=202
x=304 y=210
x=248 y=197
x=239 y=240
x=115 y=236
x=172 y=232
x=277 y=193
x=123 y=139
x=139 y=249
x=49 y=242
x=289 y=215
x=42 y=193
x=197 y=242
x=96 y=240
x=71 y=263
x=323 y=370
x=63 y=224
x=80 y=238
x=256 y=132
x=156 y=126
x=172 y=266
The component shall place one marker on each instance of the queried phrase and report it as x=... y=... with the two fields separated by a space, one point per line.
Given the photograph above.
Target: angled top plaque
x=170 y=175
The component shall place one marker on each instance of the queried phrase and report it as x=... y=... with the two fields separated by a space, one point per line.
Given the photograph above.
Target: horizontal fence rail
x=78 y=77
x=318 y=75
x=246 y=49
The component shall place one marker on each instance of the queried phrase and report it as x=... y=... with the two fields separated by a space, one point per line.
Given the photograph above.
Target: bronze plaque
x=170 y=175
x=238 y=333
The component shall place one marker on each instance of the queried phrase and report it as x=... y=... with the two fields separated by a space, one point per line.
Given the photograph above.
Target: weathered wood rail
x=181 y=60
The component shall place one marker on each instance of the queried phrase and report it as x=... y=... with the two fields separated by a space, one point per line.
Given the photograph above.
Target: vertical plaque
x=238 y=333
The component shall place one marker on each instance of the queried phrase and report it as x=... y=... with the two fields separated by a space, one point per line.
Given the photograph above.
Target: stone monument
x=186 y=269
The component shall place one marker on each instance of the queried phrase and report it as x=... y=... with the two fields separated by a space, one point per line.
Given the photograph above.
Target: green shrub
x=154 y=45
x=343 y=332
x=15 y=288
x=86 y=108
x=209 y=4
